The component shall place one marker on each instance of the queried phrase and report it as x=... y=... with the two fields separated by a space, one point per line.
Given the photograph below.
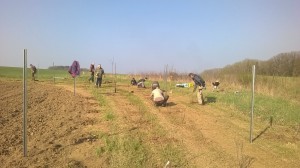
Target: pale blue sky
x=146 y=35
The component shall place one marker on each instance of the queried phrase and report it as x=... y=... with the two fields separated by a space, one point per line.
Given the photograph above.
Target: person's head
x=191 y=75
x=31 y=65
x=99 y=66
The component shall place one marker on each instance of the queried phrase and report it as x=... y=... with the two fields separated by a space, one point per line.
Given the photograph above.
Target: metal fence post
x=252 y=104
x=25 y=104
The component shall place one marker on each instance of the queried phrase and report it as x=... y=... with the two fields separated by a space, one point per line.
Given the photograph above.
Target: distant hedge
x=284 y=64
x=64 y=68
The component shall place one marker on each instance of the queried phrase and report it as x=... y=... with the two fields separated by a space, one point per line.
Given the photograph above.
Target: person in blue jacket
x=200 y=84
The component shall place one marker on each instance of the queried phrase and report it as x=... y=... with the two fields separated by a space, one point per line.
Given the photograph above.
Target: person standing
x=33 y=72
x=92 y=70
x=200 y=84
x=99 y=75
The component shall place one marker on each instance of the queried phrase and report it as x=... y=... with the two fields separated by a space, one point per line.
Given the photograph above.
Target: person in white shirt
x=159 y=97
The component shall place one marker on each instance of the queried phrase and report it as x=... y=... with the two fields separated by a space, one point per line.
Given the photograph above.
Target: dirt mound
x=55 y=126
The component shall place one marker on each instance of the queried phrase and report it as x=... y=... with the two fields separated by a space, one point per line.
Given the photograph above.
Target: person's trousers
x=99 y=82
x=32 y=76
x=91 y=78
x=163 y=102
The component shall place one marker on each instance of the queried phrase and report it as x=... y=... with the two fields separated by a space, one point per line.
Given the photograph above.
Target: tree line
x=283 y=64
x=59 y=67
x=65 y=68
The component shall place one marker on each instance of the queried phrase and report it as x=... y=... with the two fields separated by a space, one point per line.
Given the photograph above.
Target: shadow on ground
x=211 y=99
x=171 y=104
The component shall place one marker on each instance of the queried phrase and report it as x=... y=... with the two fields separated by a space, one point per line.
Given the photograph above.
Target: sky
x=146 y=35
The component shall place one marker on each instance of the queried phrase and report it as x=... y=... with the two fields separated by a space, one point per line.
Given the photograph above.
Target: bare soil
x=61 y=126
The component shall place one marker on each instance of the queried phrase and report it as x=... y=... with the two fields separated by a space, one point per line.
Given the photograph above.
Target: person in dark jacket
x=92 y=70
x=133 y=82
x=33 y=72
x=200 y=84
x=215 y=85
x=99 y=75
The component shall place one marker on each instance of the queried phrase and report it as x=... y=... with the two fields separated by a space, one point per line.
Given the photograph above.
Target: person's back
x=140 y=83
x=200 y=84
x=141 y=80
x=157 y=95
x=198 y=80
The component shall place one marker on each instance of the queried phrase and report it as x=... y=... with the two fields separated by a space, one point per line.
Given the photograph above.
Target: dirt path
x=212 y=138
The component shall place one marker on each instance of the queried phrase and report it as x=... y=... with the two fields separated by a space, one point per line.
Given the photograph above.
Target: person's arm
x=152 y=95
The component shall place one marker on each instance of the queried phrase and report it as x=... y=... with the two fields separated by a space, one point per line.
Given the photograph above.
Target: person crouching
x=141 y=83
x=215 y=85
x=159 y=97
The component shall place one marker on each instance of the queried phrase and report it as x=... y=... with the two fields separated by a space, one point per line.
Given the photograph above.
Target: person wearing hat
x=99 y=75
x=200 y=84
x=33 y=72
x=92 y=70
